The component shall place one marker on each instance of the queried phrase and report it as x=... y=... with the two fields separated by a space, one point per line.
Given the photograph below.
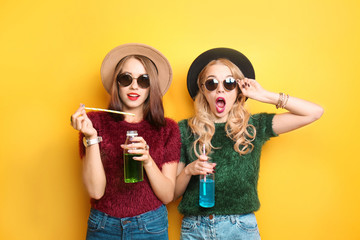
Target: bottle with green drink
x=133 y=170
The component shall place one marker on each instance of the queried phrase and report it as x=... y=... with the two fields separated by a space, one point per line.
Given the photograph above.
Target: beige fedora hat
x=116 y=54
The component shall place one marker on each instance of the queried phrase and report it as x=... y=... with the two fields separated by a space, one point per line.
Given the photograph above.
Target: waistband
x=213 y=218
x=136 y=220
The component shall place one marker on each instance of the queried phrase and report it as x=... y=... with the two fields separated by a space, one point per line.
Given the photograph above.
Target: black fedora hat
x=236 y=57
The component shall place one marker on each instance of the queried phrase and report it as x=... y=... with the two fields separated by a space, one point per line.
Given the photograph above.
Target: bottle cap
x=132 y=133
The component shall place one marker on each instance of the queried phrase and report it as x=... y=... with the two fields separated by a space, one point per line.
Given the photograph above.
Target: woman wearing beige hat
x=136 y=77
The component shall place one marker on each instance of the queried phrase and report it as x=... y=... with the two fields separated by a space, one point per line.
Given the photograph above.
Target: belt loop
x=199 y=218
x=140 y=223
x=103 y=221
x=233 y=219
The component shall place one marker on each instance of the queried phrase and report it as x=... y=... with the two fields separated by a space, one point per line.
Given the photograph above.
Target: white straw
x=111 y=111
x=204 y=154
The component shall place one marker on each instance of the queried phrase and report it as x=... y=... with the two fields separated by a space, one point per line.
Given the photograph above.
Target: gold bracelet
x=286 y=101
x=283 y=100
x=280 y=101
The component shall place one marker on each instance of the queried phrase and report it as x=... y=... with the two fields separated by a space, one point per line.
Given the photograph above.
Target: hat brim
x=239 y=59
x=116 y=54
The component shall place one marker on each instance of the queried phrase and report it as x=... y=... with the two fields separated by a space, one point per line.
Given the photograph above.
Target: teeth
x=133 y=95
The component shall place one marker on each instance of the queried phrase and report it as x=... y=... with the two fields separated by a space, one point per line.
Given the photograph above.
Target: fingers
x=200 y=167
x=138 y=146
x=78 y=117
x=203 y=158
x=78 y=122
x=138 y=143
x=81 y=122
x=205 y=169
x=245 y=83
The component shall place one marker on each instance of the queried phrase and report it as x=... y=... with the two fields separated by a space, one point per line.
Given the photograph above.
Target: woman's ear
x=201 y=88
x=239 y=95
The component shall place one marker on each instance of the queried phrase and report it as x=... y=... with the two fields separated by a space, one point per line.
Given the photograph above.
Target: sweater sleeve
x=183 y=126
x=263 y=122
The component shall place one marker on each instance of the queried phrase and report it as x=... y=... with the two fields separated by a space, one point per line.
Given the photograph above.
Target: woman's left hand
x=252 y=89
x=140 y=147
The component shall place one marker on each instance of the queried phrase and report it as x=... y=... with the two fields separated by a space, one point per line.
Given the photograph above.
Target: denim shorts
x=219 y=227
x=149 y=225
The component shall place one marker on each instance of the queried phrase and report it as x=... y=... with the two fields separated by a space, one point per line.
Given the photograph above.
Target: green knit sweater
x=236 y=176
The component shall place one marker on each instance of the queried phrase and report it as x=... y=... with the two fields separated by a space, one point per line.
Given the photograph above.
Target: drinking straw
x=111 y=111
x=204 y=187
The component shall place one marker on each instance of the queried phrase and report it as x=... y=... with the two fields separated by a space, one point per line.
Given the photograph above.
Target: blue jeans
x=149 y=225
x=218 y=227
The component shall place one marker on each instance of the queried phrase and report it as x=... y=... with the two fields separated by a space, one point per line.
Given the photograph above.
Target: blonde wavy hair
x=237 y=127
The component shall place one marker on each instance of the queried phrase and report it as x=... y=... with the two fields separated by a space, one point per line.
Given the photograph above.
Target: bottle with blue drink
x=207 y=189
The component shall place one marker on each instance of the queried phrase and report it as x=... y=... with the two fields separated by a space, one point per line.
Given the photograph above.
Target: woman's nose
x=134 y=84
x=220 y=87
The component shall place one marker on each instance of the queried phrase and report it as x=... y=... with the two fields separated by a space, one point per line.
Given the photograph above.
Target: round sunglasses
x=229 y=84
x=125 y=79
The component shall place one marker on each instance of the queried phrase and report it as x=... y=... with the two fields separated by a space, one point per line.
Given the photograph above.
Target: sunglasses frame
x=223 y=82
x=140 y=83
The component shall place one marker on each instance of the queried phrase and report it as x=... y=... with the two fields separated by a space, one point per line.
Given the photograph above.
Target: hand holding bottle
x=200 y=166
x=133 y=170
x=138 y=146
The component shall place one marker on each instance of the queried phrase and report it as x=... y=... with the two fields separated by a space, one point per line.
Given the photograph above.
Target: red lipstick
x=133 y=96
x=220 y=104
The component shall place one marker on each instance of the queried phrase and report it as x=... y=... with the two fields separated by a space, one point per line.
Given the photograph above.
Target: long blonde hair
x=237 y=127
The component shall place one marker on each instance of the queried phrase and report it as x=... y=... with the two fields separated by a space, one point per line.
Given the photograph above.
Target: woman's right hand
x=201 y=166
x=184 y=173
x=81 y=122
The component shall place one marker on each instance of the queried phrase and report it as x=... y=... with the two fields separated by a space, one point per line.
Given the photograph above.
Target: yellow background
x=51 y=53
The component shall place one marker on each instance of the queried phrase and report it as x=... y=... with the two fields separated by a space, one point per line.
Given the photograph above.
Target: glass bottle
x=207 y=189
x=133 y=169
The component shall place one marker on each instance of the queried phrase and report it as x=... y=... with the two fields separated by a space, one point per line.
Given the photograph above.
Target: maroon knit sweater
x=130 y=199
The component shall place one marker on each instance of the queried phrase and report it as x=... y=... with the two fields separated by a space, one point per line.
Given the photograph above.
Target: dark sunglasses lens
x=144 y=81
x=230 y=83
x=124 y=79
x=211 y=84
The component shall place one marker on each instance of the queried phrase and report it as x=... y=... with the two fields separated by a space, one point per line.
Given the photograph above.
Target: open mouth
x=133 y=96
x=220 y=104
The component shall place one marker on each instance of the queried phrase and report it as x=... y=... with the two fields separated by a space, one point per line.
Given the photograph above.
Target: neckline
x=133 y=123
x=220 y=124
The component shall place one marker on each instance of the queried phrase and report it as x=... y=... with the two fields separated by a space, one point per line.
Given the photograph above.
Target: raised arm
x=300 y=112
x=93 y=172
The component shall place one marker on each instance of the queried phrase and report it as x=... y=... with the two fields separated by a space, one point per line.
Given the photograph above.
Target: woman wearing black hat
x=136 y=76
x=223 y=131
